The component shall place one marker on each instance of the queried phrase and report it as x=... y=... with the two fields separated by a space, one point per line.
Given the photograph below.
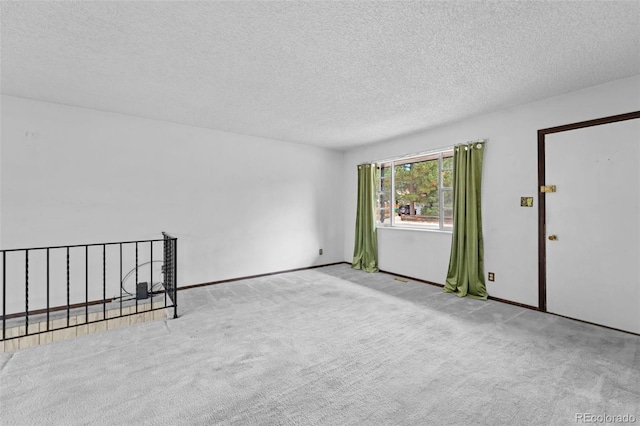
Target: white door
x=593 y=267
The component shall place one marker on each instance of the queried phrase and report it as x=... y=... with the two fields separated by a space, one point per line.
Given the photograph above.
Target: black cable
x=132 y=271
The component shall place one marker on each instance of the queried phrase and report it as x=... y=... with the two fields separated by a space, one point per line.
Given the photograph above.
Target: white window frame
x=440 y=153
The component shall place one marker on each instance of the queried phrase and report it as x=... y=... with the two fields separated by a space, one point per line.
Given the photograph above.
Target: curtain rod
x=417 y=154
x=412 y=154
x=471 y=142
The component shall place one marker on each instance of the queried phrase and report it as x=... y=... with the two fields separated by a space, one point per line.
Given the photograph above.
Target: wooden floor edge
x=596 y=324
x=497 y=299
x=511 y=302
x=266 y=274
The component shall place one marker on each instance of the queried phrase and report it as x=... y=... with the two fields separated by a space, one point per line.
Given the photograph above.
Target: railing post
x=68 y=290
x=86 y=284
x=121 y=283
x=4 y=294
x=170 y=247
x=175 y=278
x=136 y=284
x=104 y=281
x=48 y=290
x=26 y=292
x=164 y=268
x=150 y=274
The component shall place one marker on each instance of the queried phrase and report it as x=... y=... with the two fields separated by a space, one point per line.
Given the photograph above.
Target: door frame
x=542 y=245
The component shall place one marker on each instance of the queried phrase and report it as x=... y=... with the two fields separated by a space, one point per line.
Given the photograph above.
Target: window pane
x=385 y=182
x=383 y=208
x=432 y=213
x=383 y=201
x=447 y=178
x=447 y=195
x=421 y=190
x=417 y=192
x=447 y=162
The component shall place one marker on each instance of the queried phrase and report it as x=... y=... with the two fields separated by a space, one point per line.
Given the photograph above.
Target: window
x=416 y=191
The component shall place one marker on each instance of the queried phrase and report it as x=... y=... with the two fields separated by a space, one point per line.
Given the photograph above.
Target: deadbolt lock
x=548 y=188
x=553 y=237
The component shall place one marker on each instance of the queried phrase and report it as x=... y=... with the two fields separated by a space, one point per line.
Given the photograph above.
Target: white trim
x=416 y=154
x=408 y=228
x=438 y=155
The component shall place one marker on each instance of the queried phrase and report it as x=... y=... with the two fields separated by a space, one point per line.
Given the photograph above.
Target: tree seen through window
x=420 y=190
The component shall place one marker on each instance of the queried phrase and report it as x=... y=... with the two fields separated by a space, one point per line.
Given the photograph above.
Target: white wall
x=510 y=171
x=243 y=205
x=239 y=205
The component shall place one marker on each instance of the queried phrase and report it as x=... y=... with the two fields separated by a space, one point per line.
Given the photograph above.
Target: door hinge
x=548 y=188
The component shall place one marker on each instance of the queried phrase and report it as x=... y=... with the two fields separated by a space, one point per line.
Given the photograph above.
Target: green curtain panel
x=365 y=252
x=465 y=277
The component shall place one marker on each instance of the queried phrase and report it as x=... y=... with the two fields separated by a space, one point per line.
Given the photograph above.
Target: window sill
x=410 y=228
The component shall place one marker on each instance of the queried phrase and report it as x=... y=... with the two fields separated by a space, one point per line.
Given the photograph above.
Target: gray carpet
x=328 y=346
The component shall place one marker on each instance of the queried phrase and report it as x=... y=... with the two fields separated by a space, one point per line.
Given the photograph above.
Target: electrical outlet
x=320 y=252
x=492 y=276
x=526 y=201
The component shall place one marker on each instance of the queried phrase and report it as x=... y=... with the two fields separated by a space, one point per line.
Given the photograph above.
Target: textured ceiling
x=334 y=74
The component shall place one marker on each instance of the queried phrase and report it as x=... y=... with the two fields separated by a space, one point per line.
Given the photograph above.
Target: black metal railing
x=50 y=288
x=170 y=270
